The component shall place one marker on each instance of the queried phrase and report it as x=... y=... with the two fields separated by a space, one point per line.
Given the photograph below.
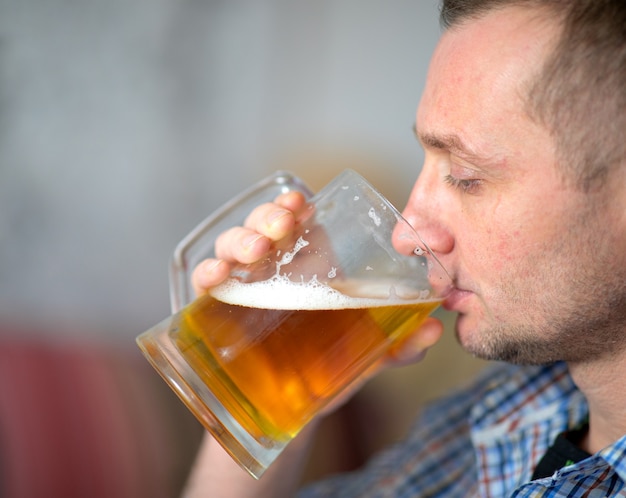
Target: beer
x=273 y=353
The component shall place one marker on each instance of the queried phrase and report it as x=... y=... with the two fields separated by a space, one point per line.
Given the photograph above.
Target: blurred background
x=122 y=125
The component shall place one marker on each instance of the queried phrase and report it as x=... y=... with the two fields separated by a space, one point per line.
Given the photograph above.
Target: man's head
x=523 y=209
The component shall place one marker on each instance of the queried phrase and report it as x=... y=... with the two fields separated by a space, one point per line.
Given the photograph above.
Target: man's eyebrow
x=450 y=142
x=443 y=142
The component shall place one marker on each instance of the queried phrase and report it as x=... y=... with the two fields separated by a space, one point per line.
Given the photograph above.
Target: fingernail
x=210 y=266
x=276 y=215
x=251 y=239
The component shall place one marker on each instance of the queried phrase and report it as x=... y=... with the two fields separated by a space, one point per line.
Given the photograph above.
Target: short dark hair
x=580 y=93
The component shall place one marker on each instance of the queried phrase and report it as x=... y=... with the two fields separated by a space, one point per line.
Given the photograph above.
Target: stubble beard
x=581 y=331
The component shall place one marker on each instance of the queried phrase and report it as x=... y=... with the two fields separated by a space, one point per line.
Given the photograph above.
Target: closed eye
x=469 y=186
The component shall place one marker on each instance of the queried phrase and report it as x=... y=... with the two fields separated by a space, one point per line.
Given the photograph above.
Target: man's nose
x=427 y=210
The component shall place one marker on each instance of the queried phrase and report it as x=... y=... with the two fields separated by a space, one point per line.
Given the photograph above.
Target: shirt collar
x=615 y=456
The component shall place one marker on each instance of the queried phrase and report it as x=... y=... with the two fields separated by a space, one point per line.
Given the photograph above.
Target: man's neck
x=602 y=383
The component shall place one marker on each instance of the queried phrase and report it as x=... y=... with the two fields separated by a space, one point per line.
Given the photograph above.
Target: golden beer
x=274 y=353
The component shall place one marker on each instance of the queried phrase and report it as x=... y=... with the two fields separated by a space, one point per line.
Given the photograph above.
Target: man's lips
x=455 y=298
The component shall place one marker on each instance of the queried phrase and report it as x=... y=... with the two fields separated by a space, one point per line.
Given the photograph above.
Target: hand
x=270 y=223
x=266 y=224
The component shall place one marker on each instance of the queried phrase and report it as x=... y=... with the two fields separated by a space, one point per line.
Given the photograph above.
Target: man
x=523 y=124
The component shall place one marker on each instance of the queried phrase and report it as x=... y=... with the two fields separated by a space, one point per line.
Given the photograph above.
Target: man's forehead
x=501 y=35
x=479 y=77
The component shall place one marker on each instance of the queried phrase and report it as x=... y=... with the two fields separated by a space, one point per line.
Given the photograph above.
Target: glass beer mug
x=261 y=354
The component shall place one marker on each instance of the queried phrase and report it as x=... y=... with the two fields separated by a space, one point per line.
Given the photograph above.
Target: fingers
x=208 y=274
x=293 y=201
x=271 y=220
x=276 y=219
x=267 y=223
x=241 y=245
x=249 y=243
x=413 y=347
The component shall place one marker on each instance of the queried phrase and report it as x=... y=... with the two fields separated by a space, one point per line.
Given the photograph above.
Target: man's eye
x=469 y=186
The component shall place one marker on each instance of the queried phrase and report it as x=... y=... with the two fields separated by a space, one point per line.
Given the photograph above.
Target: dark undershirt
x=564 y=451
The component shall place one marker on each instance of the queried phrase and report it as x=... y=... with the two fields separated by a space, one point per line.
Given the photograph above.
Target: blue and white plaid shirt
x=486 y=441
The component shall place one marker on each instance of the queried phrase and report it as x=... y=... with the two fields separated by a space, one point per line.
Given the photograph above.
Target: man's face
x=535 y=261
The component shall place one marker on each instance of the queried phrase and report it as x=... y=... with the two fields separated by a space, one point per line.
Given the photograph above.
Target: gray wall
x=123 y=123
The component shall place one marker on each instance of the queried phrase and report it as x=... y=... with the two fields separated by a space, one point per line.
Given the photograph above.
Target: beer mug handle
x=200 y=242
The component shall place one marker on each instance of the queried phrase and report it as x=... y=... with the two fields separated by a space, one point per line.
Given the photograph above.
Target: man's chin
x=493 y=344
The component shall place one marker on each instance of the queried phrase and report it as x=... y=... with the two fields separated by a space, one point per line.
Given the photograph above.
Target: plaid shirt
x=486 y=441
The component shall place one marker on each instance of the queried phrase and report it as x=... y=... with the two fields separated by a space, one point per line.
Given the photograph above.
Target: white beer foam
x=281 y=293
